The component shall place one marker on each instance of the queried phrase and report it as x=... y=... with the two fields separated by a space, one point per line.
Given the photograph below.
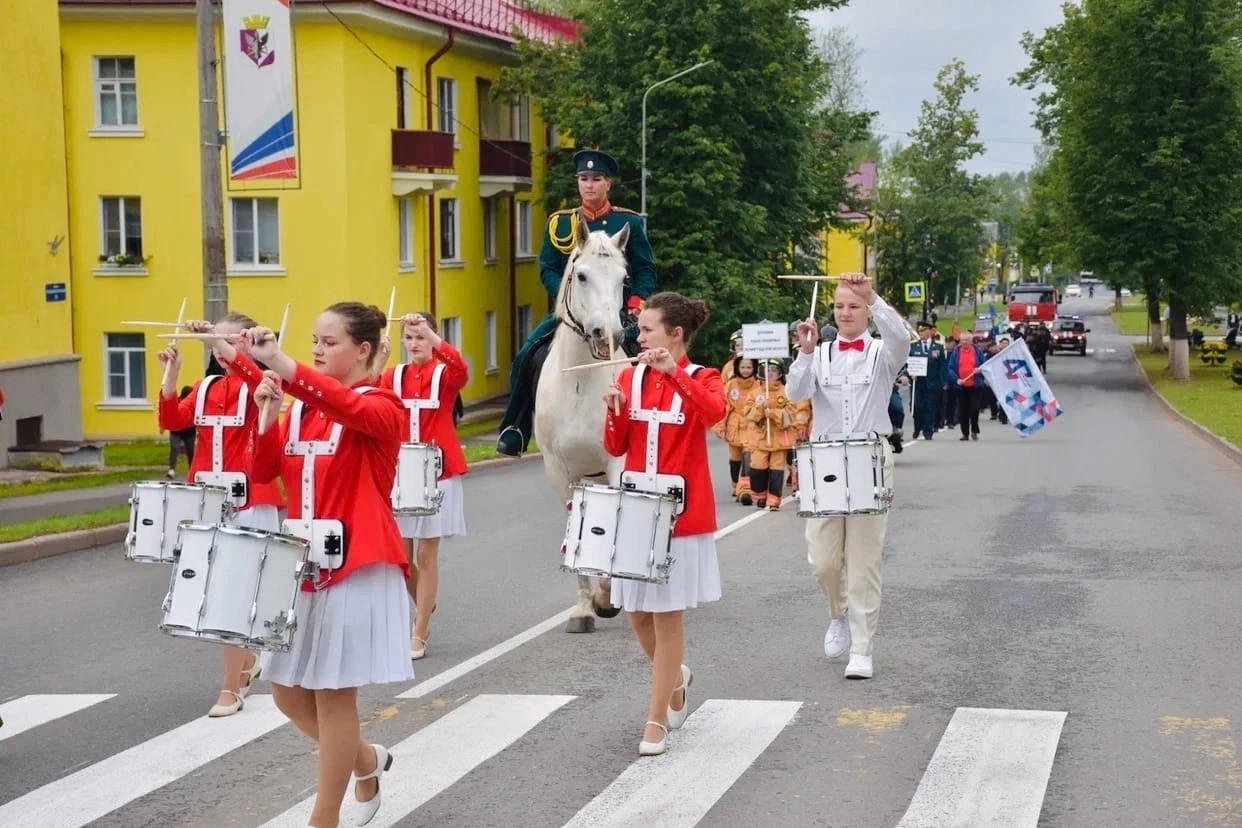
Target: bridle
x=572 y=322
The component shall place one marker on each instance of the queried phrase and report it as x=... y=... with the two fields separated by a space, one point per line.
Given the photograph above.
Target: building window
x=452 y=331
x=552 y=136
x=489 y=336
x=446 y=99
x=522 y=227
x=116 y=92
x=450 y=237
x=523 y=324
x=405 y=232
x=121 y=226
x=125 y=355
x=521 y=118
x=256 y=231
x=489 y=229
x=405 y=102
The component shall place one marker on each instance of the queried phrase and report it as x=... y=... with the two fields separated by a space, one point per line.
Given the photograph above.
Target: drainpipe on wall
x=433 y=246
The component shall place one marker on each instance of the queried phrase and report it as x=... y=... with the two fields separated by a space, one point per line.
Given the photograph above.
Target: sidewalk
x=80 y=501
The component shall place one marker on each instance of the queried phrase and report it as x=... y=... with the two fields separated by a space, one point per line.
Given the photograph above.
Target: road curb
x=46 y=546
x=1224 y=445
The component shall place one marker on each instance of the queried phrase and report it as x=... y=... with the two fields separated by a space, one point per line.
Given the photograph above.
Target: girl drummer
x=430 y=383
x=664 y=374
x=225 y=398
x=352 y=629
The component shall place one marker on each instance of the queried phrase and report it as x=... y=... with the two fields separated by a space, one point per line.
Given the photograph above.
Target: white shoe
x=646 y=748
x=837 y=639
x=677 y=718
x=364 y=812
x=219 y=711
x=248 y=676
x=860 y=667
x=418 y=647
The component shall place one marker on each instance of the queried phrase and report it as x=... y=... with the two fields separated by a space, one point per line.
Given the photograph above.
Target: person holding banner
x=845 y=552
x=963 y=367
x=663 y=407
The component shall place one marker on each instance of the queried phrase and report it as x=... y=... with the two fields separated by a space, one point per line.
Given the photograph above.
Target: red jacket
x=435 y=425
x=682 y=448
x=354 y=485
x=222 y=399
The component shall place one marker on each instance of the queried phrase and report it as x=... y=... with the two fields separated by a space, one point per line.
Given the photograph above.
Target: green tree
x=746 y=159
x=1143 y=107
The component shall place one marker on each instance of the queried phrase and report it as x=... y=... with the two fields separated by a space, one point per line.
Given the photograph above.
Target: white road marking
x=990 y=768
x=29 y=712
x=443 y=752
x=103 y=787
x=492 y=653
x=717 y=744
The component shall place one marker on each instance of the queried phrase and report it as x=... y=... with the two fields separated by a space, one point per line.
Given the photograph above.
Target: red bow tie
x=850 y=344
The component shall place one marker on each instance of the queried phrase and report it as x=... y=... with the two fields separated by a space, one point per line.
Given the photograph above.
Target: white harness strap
x=309 y=450
x=218 y=422
x=416 y=405
x=654 y=417
x=849 y=383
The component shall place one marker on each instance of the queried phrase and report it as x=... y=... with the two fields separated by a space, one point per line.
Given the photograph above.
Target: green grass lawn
x=76 y=481
x=48 y=526
x=1209 y=398
x=152 y=453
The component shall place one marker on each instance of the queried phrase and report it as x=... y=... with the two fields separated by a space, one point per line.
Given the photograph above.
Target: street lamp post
x=643 y=196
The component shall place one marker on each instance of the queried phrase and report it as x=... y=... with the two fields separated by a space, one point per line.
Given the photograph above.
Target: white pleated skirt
x=693 y=579
x=450 y=521
x=352 y=633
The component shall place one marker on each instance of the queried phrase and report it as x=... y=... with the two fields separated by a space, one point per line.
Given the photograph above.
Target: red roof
x=864 y=182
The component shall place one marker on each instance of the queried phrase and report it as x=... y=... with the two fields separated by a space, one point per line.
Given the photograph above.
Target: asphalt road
x=1058 y=646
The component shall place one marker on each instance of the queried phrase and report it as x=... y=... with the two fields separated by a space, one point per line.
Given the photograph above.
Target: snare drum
x=843 y=477
x=236 y=586
x=619 y=533
x=156 y=509
x=416 y=491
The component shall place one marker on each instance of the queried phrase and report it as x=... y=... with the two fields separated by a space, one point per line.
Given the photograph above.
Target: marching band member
x=738 y=431
x=224 y=418
x=662 y=407
x=773 y=434
x=429 y=385
x=336 y=453
x=845 y=551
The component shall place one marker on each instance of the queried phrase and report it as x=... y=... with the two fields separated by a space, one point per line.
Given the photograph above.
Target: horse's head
x=592 y=288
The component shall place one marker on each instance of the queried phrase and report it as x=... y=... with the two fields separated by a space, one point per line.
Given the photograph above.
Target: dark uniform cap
x=594 y=161
x=923 y=324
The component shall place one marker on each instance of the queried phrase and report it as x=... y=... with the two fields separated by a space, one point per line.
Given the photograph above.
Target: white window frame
x=519 y=115
x=114 y=87
x=253 y=229
x=489 y=341
x=122 y=231
x=446 y=108
x=134 y=357
x=452 y=331
x=405 y=233
x=489 y=230
x=522 y=225
x=554 y=136
x=525 y=323
x=452 y=207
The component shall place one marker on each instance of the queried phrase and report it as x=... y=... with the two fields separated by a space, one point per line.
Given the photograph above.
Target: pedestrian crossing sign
x=915 y=291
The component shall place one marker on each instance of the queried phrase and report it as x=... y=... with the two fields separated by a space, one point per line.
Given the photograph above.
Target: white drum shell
x=842 y=477
x=416 y=490
x=236 y=586
x=158 y=507
x=618 y=533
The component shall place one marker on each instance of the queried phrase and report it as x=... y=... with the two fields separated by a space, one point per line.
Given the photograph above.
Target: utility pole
x=211 y=137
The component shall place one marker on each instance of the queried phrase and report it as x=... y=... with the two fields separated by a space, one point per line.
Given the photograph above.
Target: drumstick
x=392 y=304
x=201 y=336
x=177 y=327
x=616 y=405
x=267 y=404
x=799 y=277
x=600 y=364
x=814 y=299
x=153 y=324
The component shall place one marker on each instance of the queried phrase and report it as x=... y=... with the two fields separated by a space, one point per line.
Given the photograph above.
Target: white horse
x=569 y=408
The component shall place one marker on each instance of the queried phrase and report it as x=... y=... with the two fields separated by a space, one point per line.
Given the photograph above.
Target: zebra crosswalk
x=990 y=767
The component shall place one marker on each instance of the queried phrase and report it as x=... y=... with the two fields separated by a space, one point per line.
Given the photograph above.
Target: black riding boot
x=759 y=484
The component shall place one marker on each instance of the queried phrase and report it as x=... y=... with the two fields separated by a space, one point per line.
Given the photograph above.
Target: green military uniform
x=559 y=236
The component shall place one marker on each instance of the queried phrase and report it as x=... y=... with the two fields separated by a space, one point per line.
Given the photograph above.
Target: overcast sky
x=904 y=43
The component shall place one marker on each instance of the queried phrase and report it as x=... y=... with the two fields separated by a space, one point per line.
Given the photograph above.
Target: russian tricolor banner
x=259 y=90
x=1021 y=388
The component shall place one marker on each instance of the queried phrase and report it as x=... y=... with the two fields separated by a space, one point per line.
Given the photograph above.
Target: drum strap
x=309 y=450
x=654 y=418
x=850 y=383
x=218 y=423
x=417 y=404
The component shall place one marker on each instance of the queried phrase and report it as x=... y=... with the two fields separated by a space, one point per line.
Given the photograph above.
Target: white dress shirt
x=856 y=405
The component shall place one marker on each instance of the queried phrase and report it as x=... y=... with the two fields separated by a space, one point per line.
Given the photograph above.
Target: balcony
x=504 y=167
x=422 y=161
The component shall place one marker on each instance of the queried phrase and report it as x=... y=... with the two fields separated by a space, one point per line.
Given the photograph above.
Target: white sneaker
x=860 y=667
x=837 y=639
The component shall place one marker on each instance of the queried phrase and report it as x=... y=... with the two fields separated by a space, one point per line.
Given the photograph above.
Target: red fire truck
x=1033 y=302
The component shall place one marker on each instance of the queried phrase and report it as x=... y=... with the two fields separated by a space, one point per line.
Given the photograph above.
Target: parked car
x=1070 y=334
x=984 y=328
x=1073 y=291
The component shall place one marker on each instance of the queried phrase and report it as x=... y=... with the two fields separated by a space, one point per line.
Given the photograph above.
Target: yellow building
x=38 y=368
x=410 y=177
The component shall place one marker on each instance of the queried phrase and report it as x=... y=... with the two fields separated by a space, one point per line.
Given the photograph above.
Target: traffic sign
x=915 y=291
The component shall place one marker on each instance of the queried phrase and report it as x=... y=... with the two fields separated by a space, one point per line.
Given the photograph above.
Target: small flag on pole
x=1021 y=389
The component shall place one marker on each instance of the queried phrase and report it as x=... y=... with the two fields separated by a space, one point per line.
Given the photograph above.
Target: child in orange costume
x=740 y=394
x=775 y=432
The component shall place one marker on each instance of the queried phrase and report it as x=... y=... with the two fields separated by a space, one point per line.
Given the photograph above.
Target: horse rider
x=595 y=171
